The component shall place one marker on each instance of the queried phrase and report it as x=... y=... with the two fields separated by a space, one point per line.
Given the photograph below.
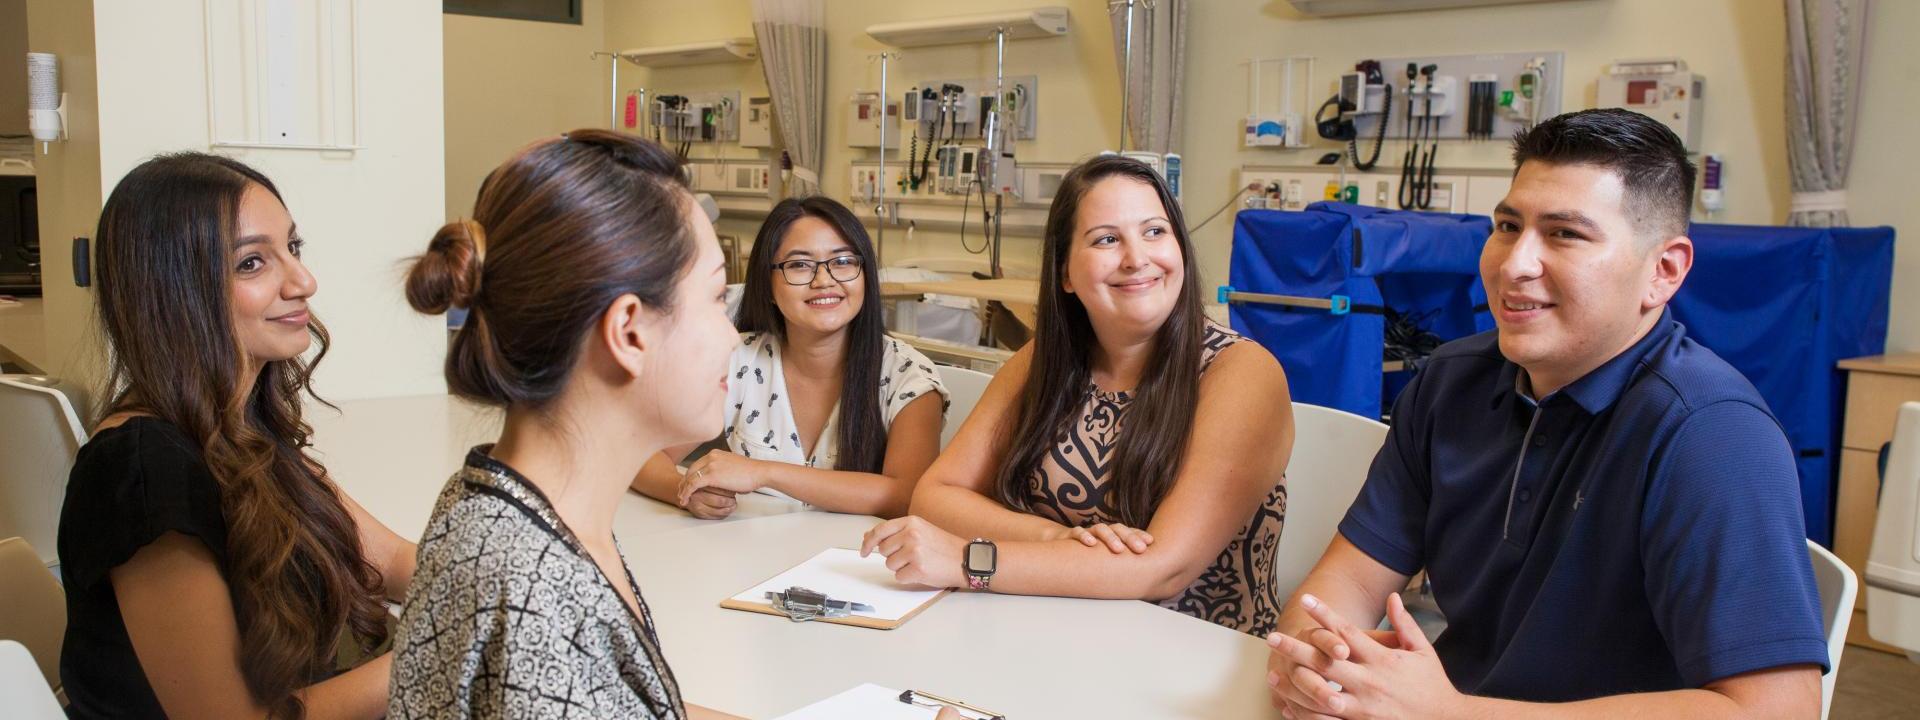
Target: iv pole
x=880 y=181
x=996 y=144
x=613 y=94
x=1126 y=72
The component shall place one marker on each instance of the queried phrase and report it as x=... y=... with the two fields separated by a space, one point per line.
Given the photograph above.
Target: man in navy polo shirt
x=1607 y=511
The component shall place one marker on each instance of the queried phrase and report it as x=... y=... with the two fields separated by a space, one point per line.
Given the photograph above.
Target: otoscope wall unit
x=1466 y=97
x=957 y=108
x=707 y=117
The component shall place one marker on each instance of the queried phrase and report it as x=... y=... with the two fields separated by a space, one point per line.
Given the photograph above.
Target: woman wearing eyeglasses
x=822 y=406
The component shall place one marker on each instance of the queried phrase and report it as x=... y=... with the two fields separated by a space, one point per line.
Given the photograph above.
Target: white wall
x=510 y=81
x=1886 y=157
x=362 y=212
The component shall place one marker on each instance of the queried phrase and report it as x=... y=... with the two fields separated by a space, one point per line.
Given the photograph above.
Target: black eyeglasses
x=844 y=268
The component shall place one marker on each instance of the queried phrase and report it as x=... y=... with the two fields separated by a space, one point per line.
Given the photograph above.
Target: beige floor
x=1876 y=686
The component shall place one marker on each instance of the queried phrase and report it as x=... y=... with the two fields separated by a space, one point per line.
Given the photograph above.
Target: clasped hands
x=1340 y=670
x=922 y=553
x=709 y=488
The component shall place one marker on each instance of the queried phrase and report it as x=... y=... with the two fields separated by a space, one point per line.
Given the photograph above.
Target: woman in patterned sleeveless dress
x=1132 y=450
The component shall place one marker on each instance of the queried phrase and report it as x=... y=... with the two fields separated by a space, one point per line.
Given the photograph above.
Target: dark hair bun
x=448 y=274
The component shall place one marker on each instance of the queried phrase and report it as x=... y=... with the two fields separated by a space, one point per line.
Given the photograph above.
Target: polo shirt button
x=1539 y=441
x=1526 y=495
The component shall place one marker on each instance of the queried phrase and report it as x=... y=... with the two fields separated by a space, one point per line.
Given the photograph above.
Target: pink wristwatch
x=981 y=560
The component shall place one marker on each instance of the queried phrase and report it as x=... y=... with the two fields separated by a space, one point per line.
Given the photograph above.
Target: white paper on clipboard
x=843 y=575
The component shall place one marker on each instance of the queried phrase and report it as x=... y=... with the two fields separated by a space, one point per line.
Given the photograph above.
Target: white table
x=1029 y=657
x=393 y=455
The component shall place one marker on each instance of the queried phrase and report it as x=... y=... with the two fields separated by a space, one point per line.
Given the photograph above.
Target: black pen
x=908 y=697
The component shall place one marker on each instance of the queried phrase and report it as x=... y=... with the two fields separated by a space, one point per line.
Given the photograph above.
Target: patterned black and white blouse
x=508 y=616
x=1237 y=590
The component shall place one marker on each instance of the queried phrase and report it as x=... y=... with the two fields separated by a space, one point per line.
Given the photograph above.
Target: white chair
x=39 y=435
x=1331 y=453
x=33 y=615
x=1838 y=586
x=964 y=388
x=1893 y=563
x=21 y=692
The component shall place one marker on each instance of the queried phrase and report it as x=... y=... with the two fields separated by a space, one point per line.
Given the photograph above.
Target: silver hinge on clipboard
x=800 y=604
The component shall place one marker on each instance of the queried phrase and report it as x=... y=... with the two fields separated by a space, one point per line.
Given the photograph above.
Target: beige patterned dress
x=1237 y=590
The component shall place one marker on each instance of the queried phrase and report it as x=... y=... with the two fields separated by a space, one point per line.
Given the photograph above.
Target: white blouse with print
x=760 y=421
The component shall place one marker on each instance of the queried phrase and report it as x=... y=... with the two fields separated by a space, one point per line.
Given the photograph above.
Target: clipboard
x=843 y=575
x=868 y=701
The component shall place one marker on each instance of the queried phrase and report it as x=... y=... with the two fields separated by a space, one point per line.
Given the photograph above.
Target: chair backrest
x=964 y=388
x=1838 y=586
x=1893 y=561
x=33 y=607
x=40 y=433
x=1331 y=453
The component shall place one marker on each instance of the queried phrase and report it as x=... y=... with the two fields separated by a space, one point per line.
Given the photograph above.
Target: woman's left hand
x=918 y=551
x=721 y=470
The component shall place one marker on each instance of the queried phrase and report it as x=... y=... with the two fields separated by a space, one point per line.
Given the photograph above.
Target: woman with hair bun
x=596 y=293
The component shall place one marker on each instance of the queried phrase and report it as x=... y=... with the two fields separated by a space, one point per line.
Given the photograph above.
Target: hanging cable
x=986 y=216
x=1223 y=208
x=1431 y=128
x=1408 y=194
x=1379 y=138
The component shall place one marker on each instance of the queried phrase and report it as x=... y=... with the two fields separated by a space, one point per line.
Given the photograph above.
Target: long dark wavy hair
x=294 y=568
x=1150 y=449
x=863 y=434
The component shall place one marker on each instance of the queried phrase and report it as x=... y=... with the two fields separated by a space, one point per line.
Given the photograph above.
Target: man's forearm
x=1688 y=704
x=1346 y=597
x=1791 y=692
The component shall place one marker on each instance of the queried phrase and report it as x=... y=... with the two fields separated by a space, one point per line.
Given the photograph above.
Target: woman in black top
x=212 y=569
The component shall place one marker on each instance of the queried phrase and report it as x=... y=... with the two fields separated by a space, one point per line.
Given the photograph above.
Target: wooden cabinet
x=1876 y=387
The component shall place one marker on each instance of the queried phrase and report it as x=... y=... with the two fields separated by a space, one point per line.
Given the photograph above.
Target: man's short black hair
x=1650 y=160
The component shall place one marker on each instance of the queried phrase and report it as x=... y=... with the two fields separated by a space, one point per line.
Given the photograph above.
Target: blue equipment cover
x=1783 y=306
x=1412 y=262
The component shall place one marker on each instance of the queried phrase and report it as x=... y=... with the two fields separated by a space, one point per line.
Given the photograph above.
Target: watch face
x=981 y=557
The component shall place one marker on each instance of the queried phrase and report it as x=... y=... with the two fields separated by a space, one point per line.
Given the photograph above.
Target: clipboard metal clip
x=800 y=604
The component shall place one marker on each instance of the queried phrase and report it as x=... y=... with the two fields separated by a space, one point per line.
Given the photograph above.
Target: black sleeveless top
x=130 y=484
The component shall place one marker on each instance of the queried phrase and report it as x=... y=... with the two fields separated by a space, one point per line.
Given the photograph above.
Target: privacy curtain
x=1159 y=67
x=793 y=54
x=1826 y=48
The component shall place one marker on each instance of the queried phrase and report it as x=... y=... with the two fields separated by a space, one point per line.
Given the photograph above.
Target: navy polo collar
x=1598 y=389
